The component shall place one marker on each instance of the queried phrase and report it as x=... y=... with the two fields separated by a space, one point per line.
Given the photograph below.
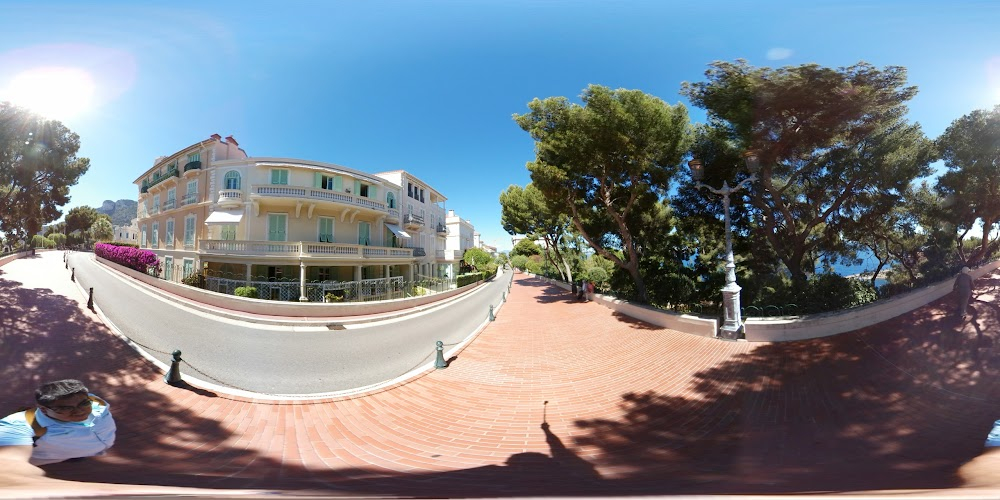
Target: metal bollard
x=503 y=296
x=439 y=362
x=173 y=376
x=67 y=263
x=90 y=301
x=72 y=275
x=492 y=317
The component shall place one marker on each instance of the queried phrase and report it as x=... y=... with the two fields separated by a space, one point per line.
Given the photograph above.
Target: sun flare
x=56 y=93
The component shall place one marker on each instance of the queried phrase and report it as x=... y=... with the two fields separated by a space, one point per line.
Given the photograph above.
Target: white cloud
x=779 y=53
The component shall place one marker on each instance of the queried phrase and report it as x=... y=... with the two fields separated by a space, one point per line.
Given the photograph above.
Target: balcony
x=442 y=230
x=153 y=210
x=304 y=249
x=192 y=166
x=157 y=180
x=413 y=221
x=449 y=255
x=230 y=197
x=419 y=252
x=393 y=217
x=189 y=199
x=169 y=205
x=261 y=191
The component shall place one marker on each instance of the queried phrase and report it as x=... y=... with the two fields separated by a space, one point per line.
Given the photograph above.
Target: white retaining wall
x=798 y=328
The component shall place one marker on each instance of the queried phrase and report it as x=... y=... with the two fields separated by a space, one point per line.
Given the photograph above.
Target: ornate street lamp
x=732 y=326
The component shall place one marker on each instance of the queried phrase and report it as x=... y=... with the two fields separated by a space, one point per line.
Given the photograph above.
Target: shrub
x=598 y=275
x=465 y=279
x=194 y=279
x=246 y=291
x=140 y=260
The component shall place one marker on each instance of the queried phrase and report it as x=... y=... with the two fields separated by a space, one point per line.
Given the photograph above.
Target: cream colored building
x=213 y=208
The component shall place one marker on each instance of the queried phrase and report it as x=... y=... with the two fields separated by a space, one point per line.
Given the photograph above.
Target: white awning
x=224 y=217
x=397 y=231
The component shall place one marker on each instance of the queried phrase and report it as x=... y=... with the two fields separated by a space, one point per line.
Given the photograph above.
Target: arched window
x=232 y=180
x=390 y=199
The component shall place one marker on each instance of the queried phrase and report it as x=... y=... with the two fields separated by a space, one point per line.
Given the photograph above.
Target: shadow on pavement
x=897 y=406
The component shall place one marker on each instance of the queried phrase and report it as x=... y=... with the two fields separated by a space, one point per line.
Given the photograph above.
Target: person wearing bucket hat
x=963 y=285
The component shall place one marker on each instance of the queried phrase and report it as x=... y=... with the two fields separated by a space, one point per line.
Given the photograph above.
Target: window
x=324 y=274
x=232 y=180
x=168 y=268
x=326 y=229
x=171 y=199
x=189 y=231
x=276 y=227
x=168 y=238
x=409 y=189
x=421 y=195
x=154 y=237
x=364 y=190
x=194 y=157
x=390 y=199
x=191 y=195
x=142 y=242
x=329 y=182
x=279 y=176
x=156 y=203
x=364 y=233
x=188 y=268
x=228 y=232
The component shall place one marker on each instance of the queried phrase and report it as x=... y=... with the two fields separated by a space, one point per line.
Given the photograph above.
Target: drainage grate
x=335 y=326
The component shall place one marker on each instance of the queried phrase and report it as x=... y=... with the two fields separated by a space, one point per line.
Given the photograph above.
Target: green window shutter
x=338 y=183
x=373 y=192
x=317 y=180
x=284 y=177
x=275 y=176
x=276 y=227
x=357 y=188
x=364 y=232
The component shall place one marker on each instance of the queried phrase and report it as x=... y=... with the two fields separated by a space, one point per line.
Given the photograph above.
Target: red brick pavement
x=553 y=398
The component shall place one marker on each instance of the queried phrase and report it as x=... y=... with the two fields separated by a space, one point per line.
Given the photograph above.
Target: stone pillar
x=302 y=282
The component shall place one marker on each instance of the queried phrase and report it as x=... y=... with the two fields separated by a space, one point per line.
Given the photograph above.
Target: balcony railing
x=169 y=205
x=413 y=220
x=230 y=196
x=393 y=214
x=310 y=193
x=192 y=165
x=303 y=249
x=189 y=199
x=419 y=252
x=442 y=230
x=172 y=172
x=449 y=255
x=153 y=210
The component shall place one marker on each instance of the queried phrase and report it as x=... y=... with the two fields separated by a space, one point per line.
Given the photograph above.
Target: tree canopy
x=834 y=149
x=38 y=164
x=605 y=163
x=524 y=211
x=970 y=148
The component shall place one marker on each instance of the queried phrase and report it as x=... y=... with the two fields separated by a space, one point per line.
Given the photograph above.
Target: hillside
x=121 y=212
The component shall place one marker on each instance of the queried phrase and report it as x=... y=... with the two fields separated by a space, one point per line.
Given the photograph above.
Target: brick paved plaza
x=555 y=397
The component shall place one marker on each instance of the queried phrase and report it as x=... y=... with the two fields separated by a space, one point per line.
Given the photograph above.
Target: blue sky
x=430 y=86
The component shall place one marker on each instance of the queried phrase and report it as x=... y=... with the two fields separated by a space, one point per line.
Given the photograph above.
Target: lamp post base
x=731 y=332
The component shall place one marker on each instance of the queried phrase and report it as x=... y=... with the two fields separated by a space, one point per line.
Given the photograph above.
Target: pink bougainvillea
x=133 y=258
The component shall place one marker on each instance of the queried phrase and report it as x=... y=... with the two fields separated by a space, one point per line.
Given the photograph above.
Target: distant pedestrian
x=963 y=286
x=590 y=291
x=581 y=293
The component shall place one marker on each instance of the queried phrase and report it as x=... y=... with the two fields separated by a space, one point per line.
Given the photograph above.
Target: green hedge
x=246 y=291
x=465 y=279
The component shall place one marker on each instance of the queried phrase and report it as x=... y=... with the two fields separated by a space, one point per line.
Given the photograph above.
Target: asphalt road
x=275 y=359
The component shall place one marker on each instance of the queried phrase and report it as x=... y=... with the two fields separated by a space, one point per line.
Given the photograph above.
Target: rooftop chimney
x=232 y=141
x=216 y=137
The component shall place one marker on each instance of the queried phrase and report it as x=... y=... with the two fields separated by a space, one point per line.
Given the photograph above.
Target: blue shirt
x=62 y=440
